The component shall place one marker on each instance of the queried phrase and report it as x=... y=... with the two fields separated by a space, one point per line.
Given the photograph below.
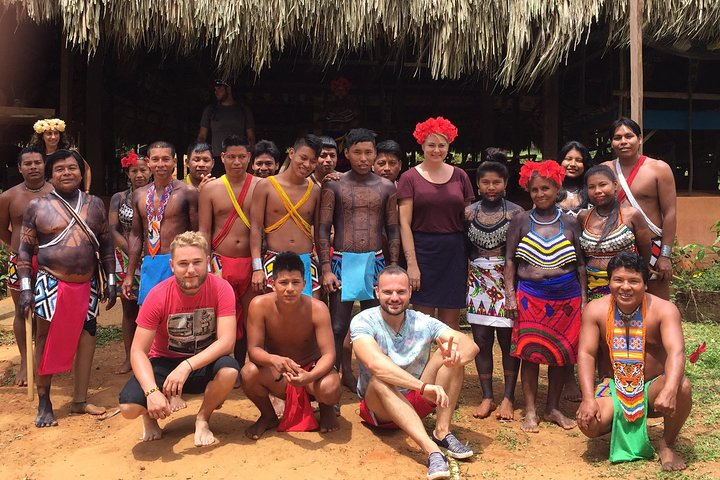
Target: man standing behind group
x=284 y=209
x=648 y=185
x=13 y=203
x=67 y=228
x=162 y=210
x=223 y=217
x=326 y=161
x=200 y=165
x=226 y=117
x=290 y=346
x=266 y=159
x=360 y=206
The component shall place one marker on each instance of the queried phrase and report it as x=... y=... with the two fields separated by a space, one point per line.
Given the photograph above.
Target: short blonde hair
x=190 y=239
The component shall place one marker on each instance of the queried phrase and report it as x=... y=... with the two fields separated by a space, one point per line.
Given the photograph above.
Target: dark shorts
x=132 y=392
x=422 y=407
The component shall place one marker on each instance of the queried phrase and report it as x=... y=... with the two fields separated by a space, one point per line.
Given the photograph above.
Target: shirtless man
x=200 y=164
x=651 y=370
x=13 y=203
x=326 y=162
x=223 y=210
x=266 y=159
x=169 y=356
x=652 y=187
x=360 y=206
x=161 y=210
x=66 y=290
x=290 y=345
x=284 y=209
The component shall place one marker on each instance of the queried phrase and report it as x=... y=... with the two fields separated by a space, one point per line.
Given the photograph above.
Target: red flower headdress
x=441 y=126
x=549 y=169
x=340 y=85
x=130 y=160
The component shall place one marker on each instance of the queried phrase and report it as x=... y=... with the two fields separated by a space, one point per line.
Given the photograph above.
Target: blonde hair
x=190 y=239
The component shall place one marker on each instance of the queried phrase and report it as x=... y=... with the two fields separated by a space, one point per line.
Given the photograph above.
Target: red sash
x=225 y=230
x=299 y=415
x=621 y=196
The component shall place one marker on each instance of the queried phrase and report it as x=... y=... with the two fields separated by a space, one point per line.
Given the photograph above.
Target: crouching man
x=642 y=336
x=292 y=354
x=185 y=334
x=400 y=380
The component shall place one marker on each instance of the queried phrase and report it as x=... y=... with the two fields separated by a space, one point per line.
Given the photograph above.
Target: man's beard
x=403 y=308
x=200 y=279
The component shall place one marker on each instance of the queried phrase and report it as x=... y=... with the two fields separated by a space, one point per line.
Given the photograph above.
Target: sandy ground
x=83 y=447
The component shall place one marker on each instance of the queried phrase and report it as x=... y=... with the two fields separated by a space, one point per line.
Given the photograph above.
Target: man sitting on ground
x=646 y=350
x=185 y=334
x=292 y=353
x=401 y=381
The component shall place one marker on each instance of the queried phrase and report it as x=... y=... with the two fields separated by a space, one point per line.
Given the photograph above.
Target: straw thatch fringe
x=515 y=41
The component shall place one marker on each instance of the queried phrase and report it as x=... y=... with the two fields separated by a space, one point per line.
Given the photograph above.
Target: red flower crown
x=441 y=126
x=130 y=160
x=549 y=169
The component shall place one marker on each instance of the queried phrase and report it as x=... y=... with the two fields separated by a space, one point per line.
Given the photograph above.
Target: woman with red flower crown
x=120 y=218
x=432 y=198
x=545 y=266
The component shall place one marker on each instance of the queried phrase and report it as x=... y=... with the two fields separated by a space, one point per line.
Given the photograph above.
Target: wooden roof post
x=636 y=63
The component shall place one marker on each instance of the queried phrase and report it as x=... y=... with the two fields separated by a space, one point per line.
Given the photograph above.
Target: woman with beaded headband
x=432 y=197
x=120 y=217
x=486 y=229
x=50 y=136
x=545 y=288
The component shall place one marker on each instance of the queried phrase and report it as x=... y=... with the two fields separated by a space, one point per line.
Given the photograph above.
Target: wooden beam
x=66 y=76
x=551 y=116
x=714 y=97
x=93 y=148
x=636 y=64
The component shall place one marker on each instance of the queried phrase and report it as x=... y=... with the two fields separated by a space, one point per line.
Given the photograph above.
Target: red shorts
x=422 y=407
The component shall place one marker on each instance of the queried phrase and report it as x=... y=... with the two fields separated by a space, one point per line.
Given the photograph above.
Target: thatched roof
x=515 y=41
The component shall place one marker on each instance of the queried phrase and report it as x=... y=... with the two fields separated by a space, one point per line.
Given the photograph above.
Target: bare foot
x=203 y=435
x=487 y=406
x=84 y=407
x=349 y=381
x=669 y=459
x=571 y=391
x=21 y=376
x=151 y=429
x=262 y=424
x=530 y=423
x=506 y=410
x=278 y=405
x=176 y=403
x=124 y=368
x=557 y=417
x=45 y=416
x=328 y=419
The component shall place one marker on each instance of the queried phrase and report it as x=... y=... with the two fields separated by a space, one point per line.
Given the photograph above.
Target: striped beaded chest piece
x=488 y=236
x=620 y=239
x=125 y=213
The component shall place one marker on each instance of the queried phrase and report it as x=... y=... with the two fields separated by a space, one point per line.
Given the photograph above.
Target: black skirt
x=442 y=259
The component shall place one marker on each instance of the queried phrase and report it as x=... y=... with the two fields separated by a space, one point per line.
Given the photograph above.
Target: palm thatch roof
x=515 y=41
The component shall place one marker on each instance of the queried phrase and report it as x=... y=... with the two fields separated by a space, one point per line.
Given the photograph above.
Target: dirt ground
x=83 y=447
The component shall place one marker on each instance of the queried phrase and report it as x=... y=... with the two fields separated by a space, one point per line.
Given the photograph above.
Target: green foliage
x=700 y=265
x=106 y=335
x=4 y=254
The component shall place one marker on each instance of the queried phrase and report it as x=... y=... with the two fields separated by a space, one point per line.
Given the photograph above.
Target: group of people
x=250 y=280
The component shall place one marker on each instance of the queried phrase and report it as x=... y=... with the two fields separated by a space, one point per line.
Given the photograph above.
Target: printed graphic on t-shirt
x=192 y=332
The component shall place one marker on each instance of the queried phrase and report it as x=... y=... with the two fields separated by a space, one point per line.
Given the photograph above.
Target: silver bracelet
x=111 y=280
x=25 y=284
x=666 y=251
x=257 y=264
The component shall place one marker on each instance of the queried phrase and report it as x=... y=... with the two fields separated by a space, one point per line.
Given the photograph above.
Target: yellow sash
x=235 y=203
x=292 y=210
